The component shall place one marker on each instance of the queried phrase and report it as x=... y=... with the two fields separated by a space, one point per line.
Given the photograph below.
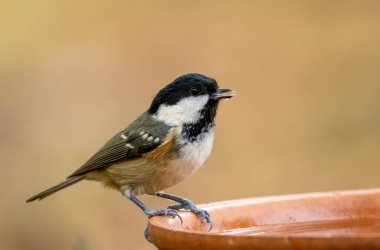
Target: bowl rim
x=156 y=226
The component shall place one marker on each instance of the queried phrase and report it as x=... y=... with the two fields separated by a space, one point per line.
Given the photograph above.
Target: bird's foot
x=189 y=205
x=160 y=212
x=163 y=212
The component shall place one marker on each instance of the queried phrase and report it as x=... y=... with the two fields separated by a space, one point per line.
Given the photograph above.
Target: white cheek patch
x=184 y=111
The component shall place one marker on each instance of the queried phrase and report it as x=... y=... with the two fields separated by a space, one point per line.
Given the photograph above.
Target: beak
x=223 y=94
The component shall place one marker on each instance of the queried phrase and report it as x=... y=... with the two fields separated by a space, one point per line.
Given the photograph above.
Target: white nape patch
x=128 y=145
x=186 y=110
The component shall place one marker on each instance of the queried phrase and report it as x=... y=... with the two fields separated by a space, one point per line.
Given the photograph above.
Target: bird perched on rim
x=162 y=147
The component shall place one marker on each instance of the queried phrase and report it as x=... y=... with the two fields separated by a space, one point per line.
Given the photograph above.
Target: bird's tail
x=67 y=182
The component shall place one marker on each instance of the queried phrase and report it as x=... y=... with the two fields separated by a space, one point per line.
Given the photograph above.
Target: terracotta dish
x=333 y=220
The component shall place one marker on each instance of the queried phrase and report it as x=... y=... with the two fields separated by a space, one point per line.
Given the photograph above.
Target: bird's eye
x=195 y=91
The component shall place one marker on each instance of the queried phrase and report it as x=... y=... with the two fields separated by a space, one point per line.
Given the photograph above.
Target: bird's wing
x=142 y=136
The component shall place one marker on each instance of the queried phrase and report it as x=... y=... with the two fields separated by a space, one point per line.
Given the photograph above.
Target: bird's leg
x=186 y=204
x=149 y=212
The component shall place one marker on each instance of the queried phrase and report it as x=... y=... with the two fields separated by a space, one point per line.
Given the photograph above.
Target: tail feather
x=68 y=182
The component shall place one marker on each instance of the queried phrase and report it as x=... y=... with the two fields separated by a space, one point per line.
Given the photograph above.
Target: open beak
x=223 y=94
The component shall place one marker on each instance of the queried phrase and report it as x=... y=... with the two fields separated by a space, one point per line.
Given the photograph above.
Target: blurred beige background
x=73 y=73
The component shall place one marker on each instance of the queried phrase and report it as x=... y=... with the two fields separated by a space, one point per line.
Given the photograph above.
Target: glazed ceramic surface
x=333 y=220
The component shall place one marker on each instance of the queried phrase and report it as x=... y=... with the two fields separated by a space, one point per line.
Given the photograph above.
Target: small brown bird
x=162 y=147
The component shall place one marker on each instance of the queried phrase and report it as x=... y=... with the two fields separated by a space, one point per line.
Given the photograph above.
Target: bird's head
x=188 y=99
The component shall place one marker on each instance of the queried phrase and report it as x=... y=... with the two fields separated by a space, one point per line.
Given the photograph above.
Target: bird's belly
x=190 y=157
x=186 y=162
x=176 y=171
x=150 y=173
x=167 y=176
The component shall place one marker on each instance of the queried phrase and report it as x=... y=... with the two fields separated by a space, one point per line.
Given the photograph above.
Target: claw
x=180 y=218
x=146 y=234
x=175 y=214
x=203 y=214
x=186 y=204
x=164 y=212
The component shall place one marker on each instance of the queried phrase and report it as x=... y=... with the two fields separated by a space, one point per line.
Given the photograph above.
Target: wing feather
x=127 y=144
